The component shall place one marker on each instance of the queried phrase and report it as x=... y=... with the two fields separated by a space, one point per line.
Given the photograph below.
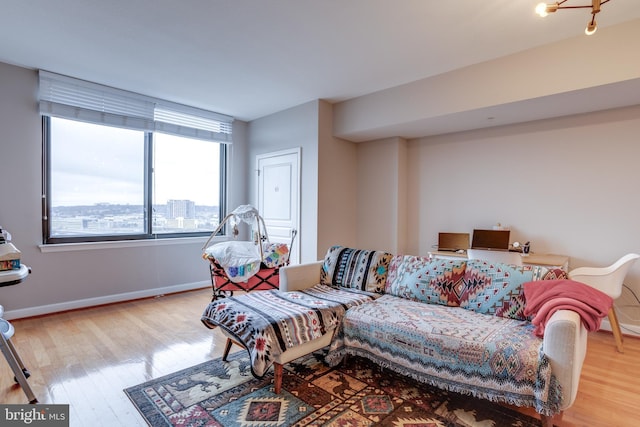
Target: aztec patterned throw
x=452 y=348
x=267 y=323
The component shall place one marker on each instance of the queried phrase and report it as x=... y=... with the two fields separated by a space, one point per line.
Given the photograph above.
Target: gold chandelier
x=543 y=9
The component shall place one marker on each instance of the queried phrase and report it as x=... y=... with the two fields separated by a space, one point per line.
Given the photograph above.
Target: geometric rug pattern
x=355 y=393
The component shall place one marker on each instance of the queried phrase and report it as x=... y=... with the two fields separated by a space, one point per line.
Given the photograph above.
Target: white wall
x=569 y=185
x=69 y=279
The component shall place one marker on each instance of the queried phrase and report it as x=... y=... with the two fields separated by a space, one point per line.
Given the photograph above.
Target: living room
x=565 y=183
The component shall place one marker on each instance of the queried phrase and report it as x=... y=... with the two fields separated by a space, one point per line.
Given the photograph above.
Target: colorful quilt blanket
x=268 y=323
x=453 y=348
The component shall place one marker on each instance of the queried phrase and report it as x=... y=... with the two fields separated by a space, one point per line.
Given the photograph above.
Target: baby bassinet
x=245 y=265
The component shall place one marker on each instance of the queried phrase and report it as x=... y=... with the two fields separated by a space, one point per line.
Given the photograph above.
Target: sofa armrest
x=300 y=276
x=565 y=344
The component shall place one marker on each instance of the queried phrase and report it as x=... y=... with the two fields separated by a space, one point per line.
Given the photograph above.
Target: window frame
x=148 y=233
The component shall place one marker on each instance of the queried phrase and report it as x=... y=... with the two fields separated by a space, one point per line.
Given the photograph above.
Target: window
x=186 y=184
x=160 y=176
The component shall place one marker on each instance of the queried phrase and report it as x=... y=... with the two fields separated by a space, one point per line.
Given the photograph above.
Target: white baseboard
x=107 y=299
x=631 y=330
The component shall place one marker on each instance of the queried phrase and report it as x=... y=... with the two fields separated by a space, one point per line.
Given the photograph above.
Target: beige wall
x=568 y=185
x=381 y=195
x=337 y=186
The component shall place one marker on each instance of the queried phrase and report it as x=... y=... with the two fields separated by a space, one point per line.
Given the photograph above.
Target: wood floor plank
x=86 y=358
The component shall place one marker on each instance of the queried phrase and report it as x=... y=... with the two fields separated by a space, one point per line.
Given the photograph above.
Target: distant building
x=185 y=209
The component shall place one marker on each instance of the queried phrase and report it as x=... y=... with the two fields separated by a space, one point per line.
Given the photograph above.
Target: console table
x=546 y=260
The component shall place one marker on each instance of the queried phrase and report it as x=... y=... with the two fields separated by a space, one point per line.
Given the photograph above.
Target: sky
x=107 y=167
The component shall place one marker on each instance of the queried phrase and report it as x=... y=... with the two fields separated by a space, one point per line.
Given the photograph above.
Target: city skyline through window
x=101 y=182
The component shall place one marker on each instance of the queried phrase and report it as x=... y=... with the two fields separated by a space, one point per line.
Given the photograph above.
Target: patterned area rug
x=356 y=393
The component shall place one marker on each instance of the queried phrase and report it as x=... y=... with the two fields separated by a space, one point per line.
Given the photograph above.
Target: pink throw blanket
x=545 y=297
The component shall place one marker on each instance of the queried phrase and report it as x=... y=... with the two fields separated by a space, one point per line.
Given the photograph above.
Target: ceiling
x=251 y=58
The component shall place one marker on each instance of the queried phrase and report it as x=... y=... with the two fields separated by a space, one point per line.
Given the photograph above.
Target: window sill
x=87 y=246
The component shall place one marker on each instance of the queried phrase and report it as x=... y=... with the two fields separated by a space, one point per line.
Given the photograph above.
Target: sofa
x=458 y=325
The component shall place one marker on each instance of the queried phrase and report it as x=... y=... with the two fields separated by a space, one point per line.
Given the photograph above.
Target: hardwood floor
x=87 y=357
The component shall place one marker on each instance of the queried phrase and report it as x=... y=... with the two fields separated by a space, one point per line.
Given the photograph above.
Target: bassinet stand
x=266 y=278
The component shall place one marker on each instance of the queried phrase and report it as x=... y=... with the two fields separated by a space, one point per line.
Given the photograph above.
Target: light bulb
x=591 y=28
x=541 y=9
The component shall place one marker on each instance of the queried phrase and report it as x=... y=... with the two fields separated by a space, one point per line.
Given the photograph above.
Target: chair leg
x=615 y=328
x=277 y=377
x=551 y=421
x=227 y=349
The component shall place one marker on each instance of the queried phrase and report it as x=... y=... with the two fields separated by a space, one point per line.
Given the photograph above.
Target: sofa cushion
x=547 y=273
x=496 y=288
x=355 y=268
x=420 y=279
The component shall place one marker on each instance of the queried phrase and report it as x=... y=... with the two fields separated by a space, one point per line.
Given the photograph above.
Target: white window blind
x=69 y=98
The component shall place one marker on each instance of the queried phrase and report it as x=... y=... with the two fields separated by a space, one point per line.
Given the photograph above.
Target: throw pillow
x=421 y=279
x=496 y=288
x=547 y=273
x=355 y=268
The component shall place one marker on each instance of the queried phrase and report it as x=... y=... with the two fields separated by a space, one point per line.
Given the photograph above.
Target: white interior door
x=279 y=196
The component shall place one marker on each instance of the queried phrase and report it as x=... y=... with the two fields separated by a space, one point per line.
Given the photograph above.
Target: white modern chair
x=504 y=257
x=608 y=280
